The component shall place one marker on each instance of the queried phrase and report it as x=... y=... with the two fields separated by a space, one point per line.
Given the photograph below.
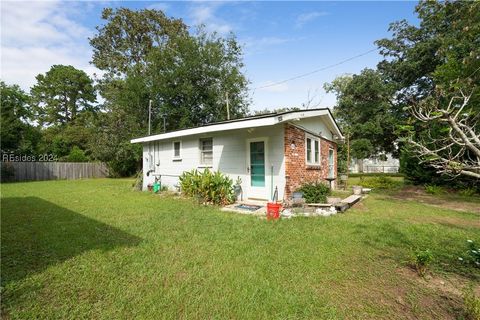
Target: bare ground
x=414 y=193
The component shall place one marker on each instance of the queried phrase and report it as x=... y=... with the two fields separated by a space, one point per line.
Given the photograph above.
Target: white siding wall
x=315 y=125
x=229 y=156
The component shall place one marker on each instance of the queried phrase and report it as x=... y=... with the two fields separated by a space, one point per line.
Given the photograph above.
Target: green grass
x=353 y=181
x=95 y=249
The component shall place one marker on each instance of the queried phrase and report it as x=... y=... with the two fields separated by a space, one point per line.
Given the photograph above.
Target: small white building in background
x=274 y=151
x=375 y=165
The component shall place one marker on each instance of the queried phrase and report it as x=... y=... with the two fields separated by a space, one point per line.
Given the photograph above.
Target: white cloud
x=36 y=35
x=205 y=13
x=308 y=17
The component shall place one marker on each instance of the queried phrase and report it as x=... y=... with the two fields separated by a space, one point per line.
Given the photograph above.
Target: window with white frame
x=312 y=150
x=177 y=146
x=206 y=151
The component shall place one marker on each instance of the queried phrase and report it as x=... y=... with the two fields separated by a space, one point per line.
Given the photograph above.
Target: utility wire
x=316 y=70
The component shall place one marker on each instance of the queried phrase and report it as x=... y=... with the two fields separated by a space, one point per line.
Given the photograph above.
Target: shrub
x=433 y=189
x=7 y=172
x=420 y=173
x=138 y=183
x=375 y=174
x=472 y=255
x=379 y=182
x=315 y=192
x=208 y=187
x=421 y=261
x=77 y=155
x=468 y=192
x=471 y=304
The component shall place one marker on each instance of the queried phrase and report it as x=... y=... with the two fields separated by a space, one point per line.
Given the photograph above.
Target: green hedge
x=374 y=174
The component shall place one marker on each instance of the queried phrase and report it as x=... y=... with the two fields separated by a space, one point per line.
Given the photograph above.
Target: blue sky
x=280 y=39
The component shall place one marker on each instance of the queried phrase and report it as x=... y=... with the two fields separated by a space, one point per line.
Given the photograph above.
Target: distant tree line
x=144 y=56
x=402 y=106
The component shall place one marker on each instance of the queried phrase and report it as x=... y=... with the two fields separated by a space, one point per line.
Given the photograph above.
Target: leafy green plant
x=471 y=304
x=315 y=192
x=138 y=182
x=422 y=260
x=433 y=189
x=7 y=172
x=468 y=192
x=379 y=182
x=472 y=255
x=207 y=186
x=77 y=155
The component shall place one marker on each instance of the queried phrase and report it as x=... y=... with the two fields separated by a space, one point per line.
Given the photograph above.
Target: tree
x=192 y=81
x=17 y=135
x=441 y=51
x=112 y=144
x=149 y=57
x=61 y=94
x=276 y=110
x=128 y=37
x=457 y=150
x=366 y=111
x=440 y=55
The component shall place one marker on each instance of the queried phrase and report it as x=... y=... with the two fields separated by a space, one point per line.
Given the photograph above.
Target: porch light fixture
x=292 y=145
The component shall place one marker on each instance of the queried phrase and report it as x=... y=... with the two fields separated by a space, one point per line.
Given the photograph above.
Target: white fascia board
x=315 y=113
x=244 y=124
x=211 y=128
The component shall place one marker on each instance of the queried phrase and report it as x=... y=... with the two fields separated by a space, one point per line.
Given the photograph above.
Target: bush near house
x=208 y=187
x=315 y=192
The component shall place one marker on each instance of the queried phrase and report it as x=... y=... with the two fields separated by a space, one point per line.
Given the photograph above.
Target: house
x=267 y=152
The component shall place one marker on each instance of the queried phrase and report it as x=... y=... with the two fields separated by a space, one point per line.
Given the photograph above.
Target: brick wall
x=296 y=170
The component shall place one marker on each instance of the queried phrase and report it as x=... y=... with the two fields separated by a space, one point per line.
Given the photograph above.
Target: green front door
x=257 y=164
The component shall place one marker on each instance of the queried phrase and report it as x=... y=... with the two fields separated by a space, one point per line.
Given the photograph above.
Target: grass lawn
x=95 y=249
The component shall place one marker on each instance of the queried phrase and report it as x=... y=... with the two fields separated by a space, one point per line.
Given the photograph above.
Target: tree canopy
x=365 y=109
x=188 y=77
x=61 y=94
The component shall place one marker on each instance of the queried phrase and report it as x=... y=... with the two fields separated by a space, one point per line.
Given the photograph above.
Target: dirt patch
x=413 y=193
x=360 y=206
x=403 y=296
x=452 y=285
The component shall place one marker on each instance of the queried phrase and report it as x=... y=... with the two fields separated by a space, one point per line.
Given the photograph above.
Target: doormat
x=249 y=207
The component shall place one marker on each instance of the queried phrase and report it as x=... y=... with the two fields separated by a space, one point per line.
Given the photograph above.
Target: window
x=309 y=150
x=206 y=151
x=176 y=149
x=312 y=150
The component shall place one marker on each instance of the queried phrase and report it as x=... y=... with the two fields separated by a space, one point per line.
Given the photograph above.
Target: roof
x=249 y=122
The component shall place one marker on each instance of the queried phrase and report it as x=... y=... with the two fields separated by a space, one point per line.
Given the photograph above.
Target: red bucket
x=273 y=210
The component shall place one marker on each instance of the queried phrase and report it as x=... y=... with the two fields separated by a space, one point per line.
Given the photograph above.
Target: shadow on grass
x=36 y=234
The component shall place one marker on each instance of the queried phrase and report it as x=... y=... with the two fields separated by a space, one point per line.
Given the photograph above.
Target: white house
x=280 y=150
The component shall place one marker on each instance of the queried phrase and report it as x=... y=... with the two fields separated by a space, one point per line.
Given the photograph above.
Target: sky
x=280 y=40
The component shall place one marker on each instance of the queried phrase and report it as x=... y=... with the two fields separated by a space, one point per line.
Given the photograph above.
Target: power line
x=316 y=70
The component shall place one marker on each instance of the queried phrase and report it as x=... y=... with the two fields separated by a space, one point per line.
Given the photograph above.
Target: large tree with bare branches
x=435 y=67
x=450 y=141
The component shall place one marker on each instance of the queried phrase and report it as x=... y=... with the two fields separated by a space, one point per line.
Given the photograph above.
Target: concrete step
x=351 y=200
